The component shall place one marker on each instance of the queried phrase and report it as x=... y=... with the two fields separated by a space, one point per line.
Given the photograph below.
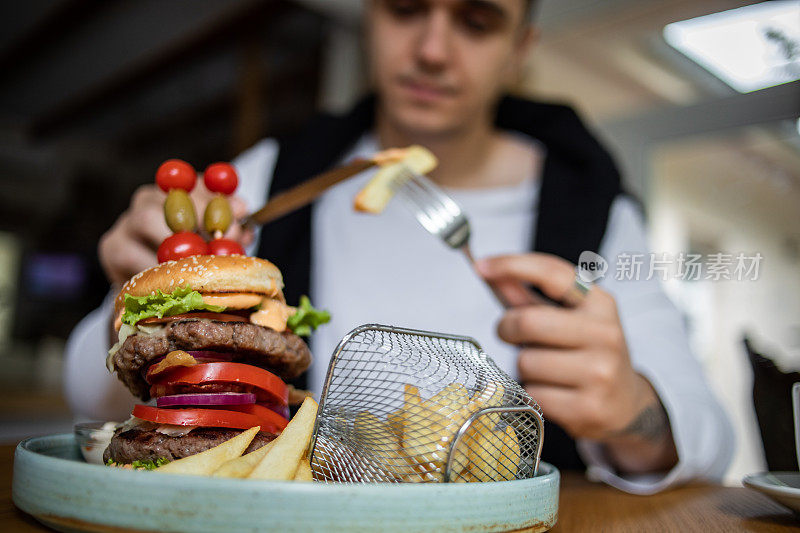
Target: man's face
x=440 y=64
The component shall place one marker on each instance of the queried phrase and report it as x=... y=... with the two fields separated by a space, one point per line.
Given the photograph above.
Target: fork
x=442 y=217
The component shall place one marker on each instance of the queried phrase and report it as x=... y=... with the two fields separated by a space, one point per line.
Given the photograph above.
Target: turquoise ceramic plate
x=52 y=483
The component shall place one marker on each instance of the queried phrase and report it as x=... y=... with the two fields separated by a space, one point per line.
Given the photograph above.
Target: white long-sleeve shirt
x=388 y=269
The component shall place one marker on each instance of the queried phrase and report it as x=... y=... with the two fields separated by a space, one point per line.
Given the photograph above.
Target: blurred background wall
x=95 y=94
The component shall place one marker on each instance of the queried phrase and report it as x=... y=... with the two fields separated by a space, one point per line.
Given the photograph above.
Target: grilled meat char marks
x=285 y=354
x=137 y=444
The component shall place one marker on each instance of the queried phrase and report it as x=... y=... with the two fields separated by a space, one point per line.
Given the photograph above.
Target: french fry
x=378 y=440
x=464 y=477
x=205 y=463
x=411 y=394
x=491 y=396
x=325 y=461
x=449 y=400
x=376 y=436
x=323 y=466
x=425 y=441
x=395 y=422
x=507 y=460
x=485 y=447
x=429 y=427
x=461 y=461
x=304 y=471
x=421 y=432
x=397 y=419
x=242 y=466
x=374 y=197
x=282 y=460
x=389 y=156
x=423 y=477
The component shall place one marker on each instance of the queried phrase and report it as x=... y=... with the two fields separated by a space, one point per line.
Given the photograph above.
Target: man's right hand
x=131 y=243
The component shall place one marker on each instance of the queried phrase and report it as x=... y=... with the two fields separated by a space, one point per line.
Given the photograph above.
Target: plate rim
x=754 y=481
x=547 y=474
x=41 y=460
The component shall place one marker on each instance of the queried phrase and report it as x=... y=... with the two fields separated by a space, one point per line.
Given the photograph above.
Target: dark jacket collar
x=579 y=178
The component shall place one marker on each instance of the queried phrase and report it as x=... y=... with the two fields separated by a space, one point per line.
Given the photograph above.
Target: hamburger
x=209 y=341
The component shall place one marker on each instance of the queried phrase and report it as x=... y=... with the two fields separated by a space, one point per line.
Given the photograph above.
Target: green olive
x=218 y=215
x=179 y=211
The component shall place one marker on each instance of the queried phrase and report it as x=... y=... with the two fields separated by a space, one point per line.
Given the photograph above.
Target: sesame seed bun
x=207 y=274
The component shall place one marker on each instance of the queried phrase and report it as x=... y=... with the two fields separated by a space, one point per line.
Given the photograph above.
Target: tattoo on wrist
x=651 y=424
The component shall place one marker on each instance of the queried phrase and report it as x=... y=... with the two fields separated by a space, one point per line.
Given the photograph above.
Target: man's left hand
x=574 y=362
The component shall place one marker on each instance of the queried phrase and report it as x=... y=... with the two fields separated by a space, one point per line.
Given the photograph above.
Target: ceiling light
x=749 y=48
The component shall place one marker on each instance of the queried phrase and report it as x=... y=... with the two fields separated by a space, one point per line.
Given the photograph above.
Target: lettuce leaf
x=307 y=319
x=146 y=464
x=182 y=300
x=149 y=464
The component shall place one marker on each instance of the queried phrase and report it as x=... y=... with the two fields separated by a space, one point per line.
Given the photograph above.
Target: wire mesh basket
x=402 y=405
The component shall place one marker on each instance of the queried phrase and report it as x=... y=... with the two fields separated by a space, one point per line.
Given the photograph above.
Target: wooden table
x=584 y=506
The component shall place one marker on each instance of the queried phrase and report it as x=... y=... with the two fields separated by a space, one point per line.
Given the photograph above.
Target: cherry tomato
x=180 y=245
x=221 y=178
x=176 y=174
x=225 y=247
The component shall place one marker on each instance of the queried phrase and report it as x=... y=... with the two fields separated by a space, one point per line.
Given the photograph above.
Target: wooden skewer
x=287 y=201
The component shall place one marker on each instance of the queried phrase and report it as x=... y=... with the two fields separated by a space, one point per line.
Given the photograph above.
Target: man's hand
x=574 y=362
x=131 y=243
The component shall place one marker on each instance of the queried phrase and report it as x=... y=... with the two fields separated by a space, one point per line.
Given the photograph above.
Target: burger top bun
x=207 y=274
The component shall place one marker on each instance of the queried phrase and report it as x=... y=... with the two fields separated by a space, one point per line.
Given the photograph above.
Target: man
x=613 y=372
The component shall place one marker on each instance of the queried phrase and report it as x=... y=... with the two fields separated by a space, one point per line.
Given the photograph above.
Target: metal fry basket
x=402 y=405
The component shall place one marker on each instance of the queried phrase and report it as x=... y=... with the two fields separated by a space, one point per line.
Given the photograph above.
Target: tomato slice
x=268 y=387
x=263 y=413
x=222 y=418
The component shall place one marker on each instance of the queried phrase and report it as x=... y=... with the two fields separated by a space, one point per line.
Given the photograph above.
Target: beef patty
x=138 y=444
x=284 y=354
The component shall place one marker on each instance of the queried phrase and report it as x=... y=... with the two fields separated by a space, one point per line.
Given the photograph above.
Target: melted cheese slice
x=234 y=300
x=273 y=314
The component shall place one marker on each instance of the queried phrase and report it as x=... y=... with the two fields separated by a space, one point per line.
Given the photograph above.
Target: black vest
x=579 y=184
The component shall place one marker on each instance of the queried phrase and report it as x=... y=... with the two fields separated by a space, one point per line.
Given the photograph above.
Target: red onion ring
x=213 y=398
